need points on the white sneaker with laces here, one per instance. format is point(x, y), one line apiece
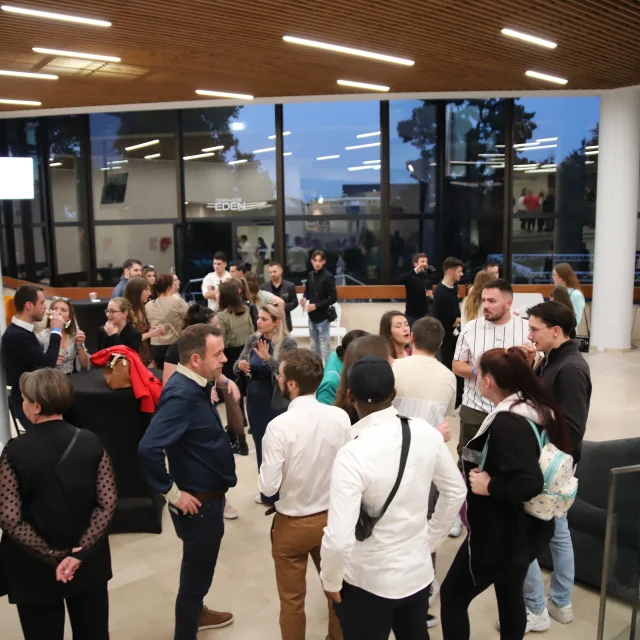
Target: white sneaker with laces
point(456, 530)
point(259, 499)
point(535, 622)
point(561, 614)
point(435, 590)
point(229, 512)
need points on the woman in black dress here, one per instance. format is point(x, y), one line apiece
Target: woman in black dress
point(57, 498)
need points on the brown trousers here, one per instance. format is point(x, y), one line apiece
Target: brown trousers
point(293, 541)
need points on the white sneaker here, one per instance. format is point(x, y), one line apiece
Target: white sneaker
point(432, 621)
point(535, 622)
point(229, 512)
point(259, 499)
point(435, 590)
point(561, 614)
point(456, 530)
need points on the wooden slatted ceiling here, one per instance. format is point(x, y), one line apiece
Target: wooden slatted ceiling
point(170, 48)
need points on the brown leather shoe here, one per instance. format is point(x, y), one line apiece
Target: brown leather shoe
point(213, 619)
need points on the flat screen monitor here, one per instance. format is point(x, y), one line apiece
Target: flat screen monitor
point(114, 189)
point(16, 179)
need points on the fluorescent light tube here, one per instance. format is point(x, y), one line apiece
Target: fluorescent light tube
point(368, 135)
point(410, 167)
point(328, 157)
point(224, 94)
point(547, 139)
point(238, 161)
point(26, 103)
point(546, 76)
point(538, 146)
point(288, 153)
point(142, 145)
point(362, 85)
point(152, 156)
point(363, 167)
point(198, 155)
point(55, 164)
point(349, 50)
point(592, 146)
point(284, 133)
point(363, 146)
point(25, 74)
point(373, 162)
point(591, 153)
point(491, 155)
point(527, 38)
point(265, 150)
point(218, 148)
point(75, 54)
point(55, 16)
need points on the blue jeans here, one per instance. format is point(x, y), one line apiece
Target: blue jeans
point(201, 536)
point(563, 572)
point(319, 332)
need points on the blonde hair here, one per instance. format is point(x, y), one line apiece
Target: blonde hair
point(125, 306)
point(49, 388)
point(281, 331)
point(472, 304)
point(71, 330)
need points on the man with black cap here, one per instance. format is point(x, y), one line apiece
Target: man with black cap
point(382, 583)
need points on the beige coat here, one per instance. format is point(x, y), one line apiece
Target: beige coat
point(168, 312)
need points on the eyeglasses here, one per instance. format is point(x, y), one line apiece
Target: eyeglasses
point(58, 299)
point(108, 312)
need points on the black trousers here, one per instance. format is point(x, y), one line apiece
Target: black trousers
point(159, 352)
point(459, 589)
point(201, 535)
point(365, 615)
point(88, 613)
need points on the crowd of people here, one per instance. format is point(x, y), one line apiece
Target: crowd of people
point(350, 446)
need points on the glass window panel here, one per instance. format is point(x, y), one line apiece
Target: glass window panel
point(353, 248)
point(72, 256)
point(149, 243)
point(258, 248)
point(412, 132)
point(134, 183)
point(474, 181)
point(239, 178)
point(318, 182)
point(554, 186)
point(408, 237)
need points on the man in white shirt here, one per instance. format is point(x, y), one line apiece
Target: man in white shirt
point(298, 451)
point(382, 583)
point(497, 329)
point(211, 282)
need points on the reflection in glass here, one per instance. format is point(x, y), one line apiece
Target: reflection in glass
point(229, 161)
point(413, 129)
point(332, 158)
point(133, 159)
point(554, 186)
point(353, 248)
point(474, 181)
point(150, 243)
point(408, 237)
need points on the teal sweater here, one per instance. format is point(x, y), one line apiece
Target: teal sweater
point(328, 388)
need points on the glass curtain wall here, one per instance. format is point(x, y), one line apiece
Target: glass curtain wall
point(332, 188)
point(134, 188)
point(554, 186)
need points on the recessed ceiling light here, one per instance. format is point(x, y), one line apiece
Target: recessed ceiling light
point(55, 164)
point(25, 74)
point(368, 135)
point(264, 150)
point(349, 50)
point(547, 139)
point(284, 133)
point(363, 167)
point(55, 16)
point(152, 156)
point(198, 155)
point(75, 54)
point(26, 103)
point(595, 152)
point(218, 148)
point(288, 153)
point(223, 94)
point(527, 38)
point(328, 157)
point(238, 161)
point(373, 162)
point(362, 85)
point(545, 76)
point(363, 146)
point(142, 145)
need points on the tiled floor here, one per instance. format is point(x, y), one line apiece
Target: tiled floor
point(146, 566)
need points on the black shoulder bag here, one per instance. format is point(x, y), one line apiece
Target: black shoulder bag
point(365, 524)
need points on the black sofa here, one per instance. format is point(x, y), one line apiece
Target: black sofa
point(588, 517)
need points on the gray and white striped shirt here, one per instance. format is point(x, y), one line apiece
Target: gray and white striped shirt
point(478, 337)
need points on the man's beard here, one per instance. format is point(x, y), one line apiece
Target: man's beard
point(286, 394)
point(488, 315)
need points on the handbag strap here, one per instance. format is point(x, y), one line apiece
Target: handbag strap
point(404, 454)
point(541, 438)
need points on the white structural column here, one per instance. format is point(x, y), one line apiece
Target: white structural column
point(616, 219)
